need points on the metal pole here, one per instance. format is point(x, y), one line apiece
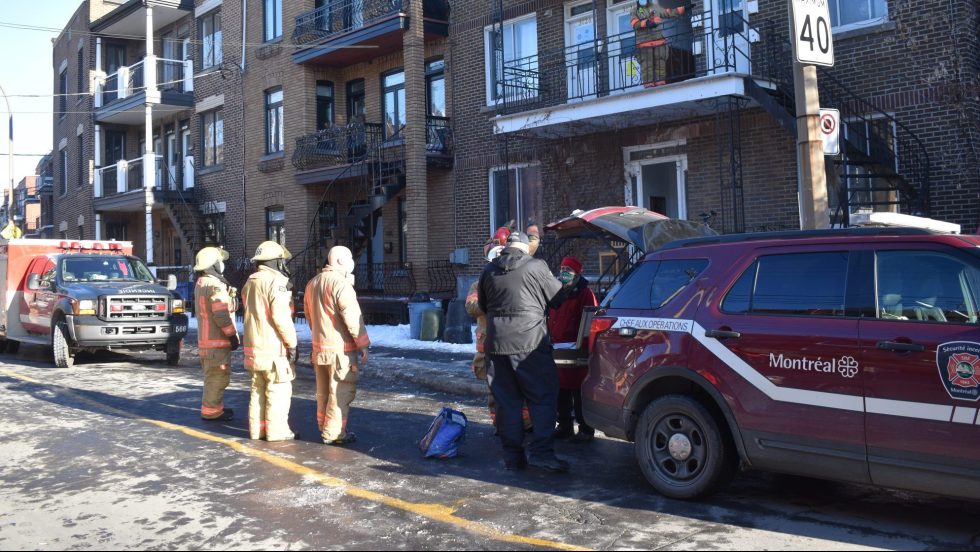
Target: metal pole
point(10, 152)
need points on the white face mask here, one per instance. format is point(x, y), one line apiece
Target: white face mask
point(220, 267)
point(348, 265)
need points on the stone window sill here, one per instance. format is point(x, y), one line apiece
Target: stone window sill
point(874, 28)
point(211, 169)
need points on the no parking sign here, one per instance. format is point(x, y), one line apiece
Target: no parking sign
point(830, 131)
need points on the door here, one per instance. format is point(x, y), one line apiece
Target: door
point(38, 304)
point(799, 396)
point(728, 37)
point(659, 186)
point(115, 150)
point(170, 55)
point(187, 165)
point(580, 51)
point(158, 163)
point(115, 57)
point(172, 158)
point(921, 353)
point(624, 68)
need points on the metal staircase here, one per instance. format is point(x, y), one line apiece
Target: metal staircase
point(883, 165)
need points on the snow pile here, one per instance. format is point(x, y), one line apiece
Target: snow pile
point(394, 337)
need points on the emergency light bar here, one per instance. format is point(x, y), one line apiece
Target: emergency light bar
point(66, 245)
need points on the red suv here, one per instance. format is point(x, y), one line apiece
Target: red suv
point(846, 354)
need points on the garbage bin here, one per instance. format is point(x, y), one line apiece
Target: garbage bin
point(186, 292)
point(415, 310)
point(459, 325)
point(431, 325)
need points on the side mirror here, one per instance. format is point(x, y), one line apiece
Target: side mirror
point(171, 282)
point(34, 282)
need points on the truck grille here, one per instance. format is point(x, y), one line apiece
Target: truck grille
point(134, 308)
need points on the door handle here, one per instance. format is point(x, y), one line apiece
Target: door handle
point(722, 334)
point(901, 347)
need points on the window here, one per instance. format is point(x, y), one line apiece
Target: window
point(512, 60)
point(355, 99)
point(273, 121)
point(515, 194)
point(214, 229)
point(81, 231)
point(80, 77)
point(653, 284)
point(327, 221)
point(926, 286)
point(275, 224)
point(805, 284)
point(213, 139)
point(64, 171)
point(435, 88)
point(273, 20)
point(324, 104)
point(857, 12)
point(209, 33)
point(394, 98)
point(118, 231)
point(63, 94)
point(82, 172)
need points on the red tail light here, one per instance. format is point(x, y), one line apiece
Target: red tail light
point(599, 325)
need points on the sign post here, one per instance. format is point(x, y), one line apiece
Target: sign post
point(812, 45)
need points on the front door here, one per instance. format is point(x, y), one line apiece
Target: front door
point(624, 68)
point(580, 51)
point(921, 355)
point(188, 164)
point(800, 396)
point(158, 163)
point(658, 185)
point(172, 159)
point(728, 38)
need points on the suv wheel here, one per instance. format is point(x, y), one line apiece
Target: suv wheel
point(63, 357)
point(173, 354)
point(681, 449)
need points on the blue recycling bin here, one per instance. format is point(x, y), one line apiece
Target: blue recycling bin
point(415, 310)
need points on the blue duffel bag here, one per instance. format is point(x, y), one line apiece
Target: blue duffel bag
point(444, 435)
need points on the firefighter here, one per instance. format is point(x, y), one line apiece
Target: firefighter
point(490, 251)
point(215, 304)
point(340, 343)
point(651, 45)
point(270, 344)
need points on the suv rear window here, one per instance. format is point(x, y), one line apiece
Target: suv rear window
point(803, 284)
point(652, 284)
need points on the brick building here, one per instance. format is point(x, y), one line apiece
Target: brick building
point(580, 112)
point(308, 123)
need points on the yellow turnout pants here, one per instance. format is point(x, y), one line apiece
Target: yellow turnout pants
point(336, 386)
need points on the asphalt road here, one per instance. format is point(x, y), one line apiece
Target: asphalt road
point(112, 454)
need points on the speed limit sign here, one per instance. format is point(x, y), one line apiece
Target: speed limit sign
point(813, 41)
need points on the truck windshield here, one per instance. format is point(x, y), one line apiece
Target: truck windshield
point(104, 269)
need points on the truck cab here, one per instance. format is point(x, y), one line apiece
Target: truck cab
point(87, 296)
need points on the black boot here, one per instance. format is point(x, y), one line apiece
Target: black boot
point(564, 430)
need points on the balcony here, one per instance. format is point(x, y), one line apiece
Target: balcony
point(45, 185)
point(344, 151)
point(612, 83)
point(129, 19)
point(120, 98)
point(345, 32)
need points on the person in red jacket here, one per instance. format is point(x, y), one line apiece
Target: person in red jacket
point(563, 323)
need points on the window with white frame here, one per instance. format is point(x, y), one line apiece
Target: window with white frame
point(857, 13)
point(209, 31)
point(273, 20)
point(274, 133)
point(511, 55)
point(516, 194)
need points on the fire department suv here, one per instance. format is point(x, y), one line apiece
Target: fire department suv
point(851, 355)
point(83, 296)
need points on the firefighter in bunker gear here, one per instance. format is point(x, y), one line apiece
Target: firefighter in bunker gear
point(270, 344)
point(215, 304)
point(340, 343)
point(652, 49)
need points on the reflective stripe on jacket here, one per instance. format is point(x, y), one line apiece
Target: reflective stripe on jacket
point(331, 308)
point(269, 329)
point(214, 309)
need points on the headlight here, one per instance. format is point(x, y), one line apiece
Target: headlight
point(177, 306)
point(84, 307)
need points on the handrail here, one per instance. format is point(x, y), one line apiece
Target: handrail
point(340, 16)
point(338, 145)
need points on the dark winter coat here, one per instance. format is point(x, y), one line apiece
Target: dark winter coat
point(515, 291)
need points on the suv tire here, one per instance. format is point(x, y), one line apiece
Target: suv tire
point(173, 354)
point(63, 357)
point(681, 449)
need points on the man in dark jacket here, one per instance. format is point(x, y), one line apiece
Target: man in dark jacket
point(515, 291)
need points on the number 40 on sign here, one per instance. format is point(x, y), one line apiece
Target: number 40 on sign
point(813, 41)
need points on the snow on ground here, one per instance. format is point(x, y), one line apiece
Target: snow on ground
point(395, 337)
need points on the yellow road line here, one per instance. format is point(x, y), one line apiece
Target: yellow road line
point(437, 512)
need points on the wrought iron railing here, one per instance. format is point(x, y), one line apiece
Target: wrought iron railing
point(438, 135)
point(338, 145)
point(384, 279)
point(340, 16)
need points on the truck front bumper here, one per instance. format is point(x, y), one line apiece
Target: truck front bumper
point(90, 331)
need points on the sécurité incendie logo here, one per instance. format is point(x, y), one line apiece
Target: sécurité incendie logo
point(959, 369)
